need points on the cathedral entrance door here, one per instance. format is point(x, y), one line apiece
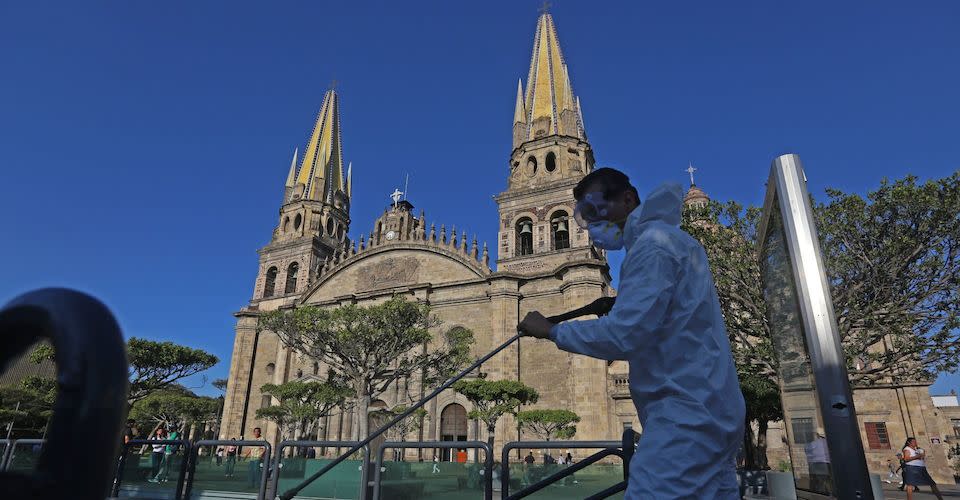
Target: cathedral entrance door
point(453, 427)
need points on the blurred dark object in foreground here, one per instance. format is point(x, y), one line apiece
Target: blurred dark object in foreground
point(91, 393)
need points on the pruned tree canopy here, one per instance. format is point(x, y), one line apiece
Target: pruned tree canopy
point(153, 365)
point(548, 424)
point(174, 406)
point(493, 398)
point(301, 404)
point(372, 347)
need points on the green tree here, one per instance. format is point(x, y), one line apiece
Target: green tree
point(399, 432)
point(220, 384)
point(893, 262)
point(153, 365)
point(373, 347)
point(549, 424)
point(301, 404)
point(174, 406)
point(493, 398)
point(728, 233)
point(26, 408)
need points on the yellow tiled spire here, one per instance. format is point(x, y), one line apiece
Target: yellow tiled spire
point(549, 93)
point(321, 170)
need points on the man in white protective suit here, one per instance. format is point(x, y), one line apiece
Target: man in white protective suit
point(666, 322)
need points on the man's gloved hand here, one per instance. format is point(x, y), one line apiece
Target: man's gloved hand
point(535, 325)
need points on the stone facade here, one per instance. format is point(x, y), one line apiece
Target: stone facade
point(545, 263)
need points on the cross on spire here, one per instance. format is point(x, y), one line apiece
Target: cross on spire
point(333, 84)
point(395, 196)
point(545, 7)
point(690, 170)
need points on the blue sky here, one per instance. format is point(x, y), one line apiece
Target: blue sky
point(144, 145)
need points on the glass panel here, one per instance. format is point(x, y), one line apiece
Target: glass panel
point(431, 480)
point(801, 407)
point(237, 472)
point(151, 471)
point(341, 482)
point(25, 456)
point(593, 479)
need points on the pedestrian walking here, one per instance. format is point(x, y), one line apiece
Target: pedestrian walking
point(156, 455)
point(231, 459)
point(915, 469)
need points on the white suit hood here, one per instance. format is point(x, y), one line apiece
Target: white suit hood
point(664, 204)
point(668, 325)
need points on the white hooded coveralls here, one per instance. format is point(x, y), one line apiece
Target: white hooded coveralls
point(667, 324)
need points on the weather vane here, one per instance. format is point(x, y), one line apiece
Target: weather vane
point(690, 170)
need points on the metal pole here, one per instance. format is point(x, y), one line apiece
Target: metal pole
point(12, 420)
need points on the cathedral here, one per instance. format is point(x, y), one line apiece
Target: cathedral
point(543, 262)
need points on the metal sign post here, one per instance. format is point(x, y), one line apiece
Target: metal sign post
point(821, 424)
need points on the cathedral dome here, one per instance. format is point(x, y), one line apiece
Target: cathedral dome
point(695, 197)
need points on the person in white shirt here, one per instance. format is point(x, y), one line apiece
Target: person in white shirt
point(915, 469)
point(156, 456)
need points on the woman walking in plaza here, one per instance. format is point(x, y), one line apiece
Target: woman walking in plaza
point(915, 469)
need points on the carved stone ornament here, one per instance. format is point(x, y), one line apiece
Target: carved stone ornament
point(392, 271)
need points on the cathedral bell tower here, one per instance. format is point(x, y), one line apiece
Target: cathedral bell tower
point(550, 155)
point(315, 215)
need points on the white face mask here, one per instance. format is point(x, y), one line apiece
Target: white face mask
point(606, 235)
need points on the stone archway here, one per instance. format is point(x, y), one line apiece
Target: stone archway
point(453, 427)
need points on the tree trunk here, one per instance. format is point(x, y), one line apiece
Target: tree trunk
point(749, 447)
point(363, 407)
point(761, 454)
point(491, 432)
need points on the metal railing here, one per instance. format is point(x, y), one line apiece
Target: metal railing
point(10, 452)
point(3, 455)
point(125, 453)
point(487, 462)
point(277, 463)
point(191, 464)
point(623, 449)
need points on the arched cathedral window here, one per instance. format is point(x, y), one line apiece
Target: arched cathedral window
point(292, 278)
point(524, 236)
point(560, 229)
point(270, 282)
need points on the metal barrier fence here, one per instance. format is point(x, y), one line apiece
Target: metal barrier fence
point(10, 454)
point(3, 454)
point(125, 454)
point(487, 470)
point(223, 488)
point(278, 464)
point(607, 448)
